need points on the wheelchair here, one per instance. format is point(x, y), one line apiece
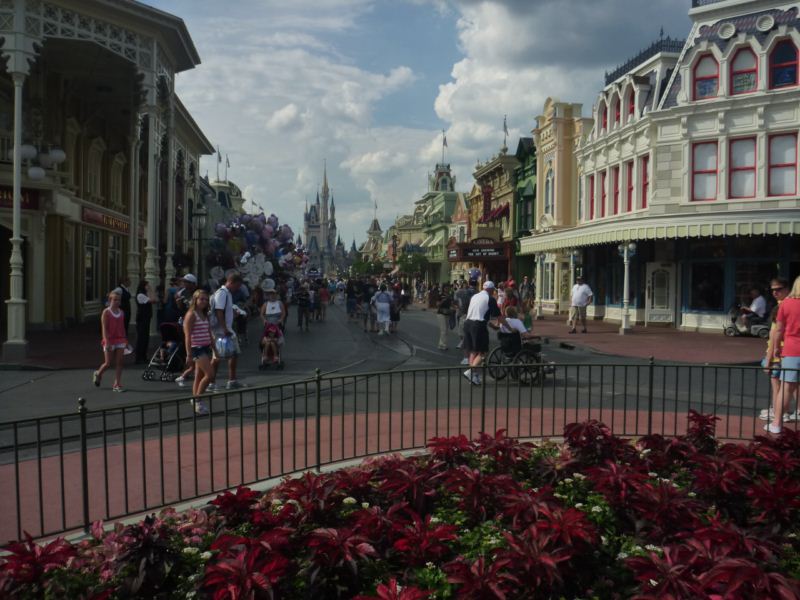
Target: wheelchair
point(518, 359)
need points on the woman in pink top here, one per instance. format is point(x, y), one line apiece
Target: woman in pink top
point(198, 339)
point(114, 341)
point(785, 343)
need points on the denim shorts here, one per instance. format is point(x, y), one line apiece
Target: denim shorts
point(775, 371)
point(200, 351)
point(790, 362)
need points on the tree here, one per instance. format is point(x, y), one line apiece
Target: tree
point(362, 267)
point(411, 263)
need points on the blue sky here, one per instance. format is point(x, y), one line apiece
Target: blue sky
point(370, 84)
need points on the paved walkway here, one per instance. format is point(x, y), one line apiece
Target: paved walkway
point(662, 343)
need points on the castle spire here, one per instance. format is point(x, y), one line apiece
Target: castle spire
point(325, 189)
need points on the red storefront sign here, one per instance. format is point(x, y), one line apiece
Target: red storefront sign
point(105, 220)
point(29, 200)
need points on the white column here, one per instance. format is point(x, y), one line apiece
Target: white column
point(539, 276)
point(625, 323)
point(133, 211)
point(169, 266)
point(15, 347)
point(151, 243)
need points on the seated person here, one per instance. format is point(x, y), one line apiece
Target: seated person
point(513, 323)
point(757, 309)
point(166, 350)
point(270, 341)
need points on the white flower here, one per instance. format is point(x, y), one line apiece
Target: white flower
point(579, 476)
point(653, 582)
point(277, 502)
point(645, 452)
point(349, 500)
point(653, 475)
point(568, 480)
point(652, 548)
point(622, 555)
point(365, 505)
point(603, 540)
point(559, 496)
point(430, 565)
point(191, 550)
point(597, 509)
point(579, 505)
point(692, 495)
point(435, 520)
point(206, 555)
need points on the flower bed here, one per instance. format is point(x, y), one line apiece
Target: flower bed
point(597, 517)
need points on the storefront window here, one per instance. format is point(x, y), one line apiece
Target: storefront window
point(617, 281)
point(753, 274)
point(91, 266)
point(708, 248)
point(548, 283)
point(707, 286)
point(114, 260)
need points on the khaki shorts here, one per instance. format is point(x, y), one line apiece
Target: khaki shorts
point(577, 313)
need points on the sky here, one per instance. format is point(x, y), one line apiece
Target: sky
point(367, 86)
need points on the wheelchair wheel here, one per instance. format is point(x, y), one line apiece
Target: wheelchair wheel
point(527, 369)
point(497, 363)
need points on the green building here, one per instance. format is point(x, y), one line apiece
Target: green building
point(524, 206)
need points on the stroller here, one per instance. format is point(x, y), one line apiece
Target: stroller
point(169, 358)
point(271, 346)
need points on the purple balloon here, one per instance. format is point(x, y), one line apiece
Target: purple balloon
point(265, 235)
point(268, 230)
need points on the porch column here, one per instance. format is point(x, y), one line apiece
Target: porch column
point(169, 265)
point(539, 275)
point(133, 211)
point(16, 346)
point(151, 241)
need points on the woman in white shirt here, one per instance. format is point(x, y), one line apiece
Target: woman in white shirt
point(513, 323)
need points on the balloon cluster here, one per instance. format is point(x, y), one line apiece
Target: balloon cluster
point(257, 245)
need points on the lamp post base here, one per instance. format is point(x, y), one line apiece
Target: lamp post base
point(15, 351)
point(625, 330)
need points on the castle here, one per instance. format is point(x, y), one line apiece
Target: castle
point(325, 248)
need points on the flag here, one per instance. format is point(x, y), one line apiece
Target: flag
point(227, 161)
point(219, 156)
point(505, 124)
point(444, 139)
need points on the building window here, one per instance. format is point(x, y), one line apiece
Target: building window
point(95, 169)
point(603, 117)
point(783, 65)
point(580, 198)
point(91, 266)
point(114, 260)
point(631, 104)
point(707, 286)
point(742, 182)
point(591, 197)
point(548, 283)
point(629, 178)
point(744, 72)
point(783, 165)
point(615, 181)
point(548, 192)
point(617, 110)
point(645, 166)
point(706, 78)
point(704, 171)
point(603, 193)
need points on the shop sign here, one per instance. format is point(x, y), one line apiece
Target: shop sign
point(103, 219)
point(488, 252)
point(452, 254)
point(29, 200)
point(483, 241)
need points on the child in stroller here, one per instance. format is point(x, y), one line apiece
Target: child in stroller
point(271, 343)
point(169, 357)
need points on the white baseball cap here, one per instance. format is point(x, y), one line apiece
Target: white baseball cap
point(190, 278)
point(488, 285)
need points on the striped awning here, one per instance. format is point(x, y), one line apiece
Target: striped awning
point(664, 228)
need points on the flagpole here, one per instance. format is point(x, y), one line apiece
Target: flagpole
point(227, 164)
point(219, 160)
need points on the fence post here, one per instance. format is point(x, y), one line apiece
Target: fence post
point(84, 465)
point(318, 379)
point(651, 370)
point(484, 372)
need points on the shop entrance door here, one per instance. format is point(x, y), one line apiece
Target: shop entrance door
point(661, 295)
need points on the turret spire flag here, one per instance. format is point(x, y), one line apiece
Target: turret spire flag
point(219, 160)
point(505, 129)
point(444, 144)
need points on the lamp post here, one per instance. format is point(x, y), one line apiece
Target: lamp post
point(626, 251)
point(394, 249)
point(574, 259)
point(199, 218)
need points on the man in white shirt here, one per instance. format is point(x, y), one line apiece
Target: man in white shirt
point(757, 308)
point(222, 324)
point(482, 308)
point(581, 298)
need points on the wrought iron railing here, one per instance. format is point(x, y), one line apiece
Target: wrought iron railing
point(666, 44)
point(63, 472)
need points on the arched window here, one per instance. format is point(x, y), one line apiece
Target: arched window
point(706, 78)
point(603, 117)
point(783, 65)
point(744, 72)
point(631, 104)
point(548, 192)
point(617, 110)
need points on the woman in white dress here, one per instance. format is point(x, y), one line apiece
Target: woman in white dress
point(383, 305)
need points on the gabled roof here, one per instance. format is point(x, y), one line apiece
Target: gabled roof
point(374, 227)
point(524, 148)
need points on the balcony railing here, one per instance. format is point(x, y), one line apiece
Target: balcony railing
point(699, 3)
point(666, 44)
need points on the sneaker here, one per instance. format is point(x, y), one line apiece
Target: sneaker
point(200, 407)
point(181, 381)
point(476, 379)
point(234, 385)
point(791, 417)
point(464, 361)
point(770, 429)
point(117, 388)
point(460, 345)
point(766, 414)
point(211, 387)
point(96, 379)
point(468, 374)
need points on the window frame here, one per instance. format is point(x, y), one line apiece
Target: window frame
point(772, 66)
point(617, 112)
point(644, 188)
point(732, 169)
point(695, 78)
point(629, 174)
point(631, 104)
point(603, 117)
point(694, 172)
point(615, 183)
point(591, 197)
point(603, 192)
point(732, 72)
point(770, 166)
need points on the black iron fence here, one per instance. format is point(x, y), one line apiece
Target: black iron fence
point(63, 472)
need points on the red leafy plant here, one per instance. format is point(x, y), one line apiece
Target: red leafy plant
point(394, 591)
point(26, 563)
point(236, 507)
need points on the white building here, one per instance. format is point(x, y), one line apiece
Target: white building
point(693, 158)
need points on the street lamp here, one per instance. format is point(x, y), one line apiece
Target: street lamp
point(574, 258)
point(199, 218)
point(394, 249)
point(627, 252)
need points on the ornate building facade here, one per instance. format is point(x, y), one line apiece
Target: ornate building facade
point(326, 251)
